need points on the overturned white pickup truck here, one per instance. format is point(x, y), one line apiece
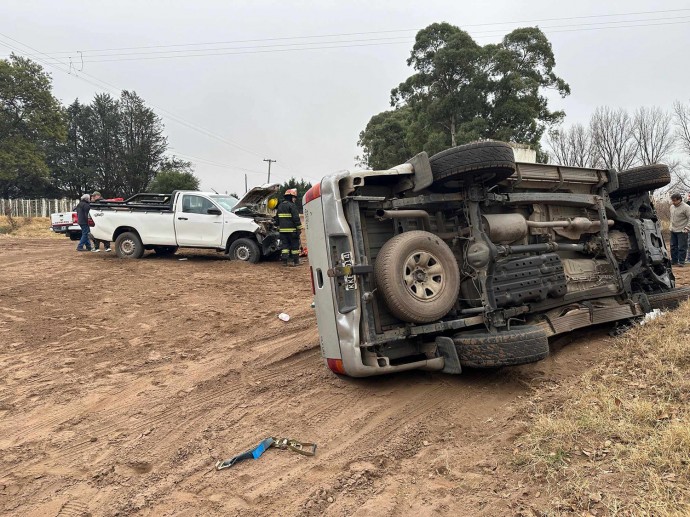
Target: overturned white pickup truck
point(469, 258)
point(243, 229)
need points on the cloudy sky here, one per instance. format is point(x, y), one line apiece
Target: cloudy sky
point(295, 81)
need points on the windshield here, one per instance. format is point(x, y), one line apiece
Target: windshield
point(226, 202)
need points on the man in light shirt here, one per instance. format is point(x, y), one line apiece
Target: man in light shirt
point(680, 225)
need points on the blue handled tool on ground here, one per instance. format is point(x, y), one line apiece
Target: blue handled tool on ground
point(305, 448)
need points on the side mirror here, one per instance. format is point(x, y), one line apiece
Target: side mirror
point(214, 211)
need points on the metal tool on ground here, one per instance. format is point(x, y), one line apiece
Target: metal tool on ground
point(304, 448)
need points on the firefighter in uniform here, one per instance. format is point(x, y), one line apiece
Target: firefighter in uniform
point(290, 226)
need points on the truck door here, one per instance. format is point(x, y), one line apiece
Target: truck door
point(195, 226)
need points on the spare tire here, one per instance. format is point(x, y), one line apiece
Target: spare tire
point(417, 275)
point(642, 179)
point(464, 165)
point(519, 345)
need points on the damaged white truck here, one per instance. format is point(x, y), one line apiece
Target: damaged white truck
point(243, 229)
point(471, 259)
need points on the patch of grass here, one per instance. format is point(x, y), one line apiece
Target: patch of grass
point(25, 227)
point(618, 440)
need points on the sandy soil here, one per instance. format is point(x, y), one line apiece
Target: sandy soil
point(123, 382)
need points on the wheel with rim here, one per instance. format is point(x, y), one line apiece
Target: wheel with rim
point(245, 250)
point(519, 345)
point(642, 179)
point(418, 277)
point(669, 300)
point(464, 165)
point(128, 245)
point(165, 250)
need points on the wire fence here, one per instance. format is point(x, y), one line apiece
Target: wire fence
point(35, 207)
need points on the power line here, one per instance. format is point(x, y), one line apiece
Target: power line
point(214, 163)
point(376, 32)
point(112, 88)
point(337, 44)
point(546, 30)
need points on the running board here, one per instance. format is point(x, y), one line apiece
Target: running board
point(584, 317)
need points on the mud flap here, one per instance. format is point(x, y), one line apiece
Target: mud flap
point(423, 176)
point(446, 349)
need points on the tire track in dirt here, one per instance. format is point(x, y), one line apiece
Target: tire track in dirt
point(194, 367)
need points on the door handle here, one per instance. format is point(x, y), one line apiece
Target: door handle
point(183, 218)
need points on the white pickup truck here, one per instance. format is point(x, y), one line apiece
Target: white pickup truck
point(244, 229)
point(66, 224)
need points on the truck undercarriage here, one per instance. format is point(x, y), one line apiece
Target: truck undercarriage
point(478, 267)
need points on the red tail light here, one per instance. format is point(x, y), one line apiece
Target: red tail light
point(311, 277)
point(91, 223)
point(336, 366)
point(313, 193)
point(75, 219)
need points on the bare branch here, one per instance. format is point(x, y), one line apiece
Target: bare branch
point(653, 135)
point(612, 139)
point(572, 147)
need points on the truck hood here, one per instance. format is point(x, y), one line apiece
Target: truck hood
point(256, 200)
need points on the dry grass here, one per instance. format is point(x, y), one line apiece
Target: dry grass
point(25, 227)
point(618, 441)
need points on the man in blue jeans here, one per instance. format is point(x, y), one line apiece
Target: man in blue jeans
point(680, 225)
point(82, 210)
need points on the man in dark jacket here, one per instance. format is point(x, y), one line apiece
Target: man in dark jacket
point(289, 226)
point(82, 210)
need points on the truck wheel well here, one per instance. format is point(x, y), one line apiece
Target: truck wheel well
point(238, 235)
point(123, 229)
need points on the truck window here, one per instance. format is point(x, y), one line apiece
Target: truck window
point(196, 204)
point(227, 202)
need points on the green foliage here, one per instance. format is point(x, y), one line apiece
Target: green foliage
point(113, 145)
point(521, 67)
point(462, 92)
point(72, 169)
point(174, 174)
point(383, 140)
point(301, 186)
point(31, 120)
point(142, 143)
point(448, 90)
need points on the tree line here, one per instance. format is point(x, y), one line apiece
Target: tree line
point(618, 139)
point(114, 145)
point(463, 92)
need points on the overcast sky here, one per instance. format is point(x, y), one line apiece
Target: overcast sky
point(241, 87)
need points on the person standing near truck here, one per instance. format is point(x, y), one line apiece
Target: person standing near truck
point(82, 210)
point(680, 225)
point(289, 226)
point(97, 242)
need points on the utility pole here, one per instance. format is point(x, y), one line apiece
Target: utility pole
point(269, 168)
point(245, 183)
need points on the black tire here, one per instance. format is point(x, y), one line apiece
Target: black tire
point(418, 277)
point(519, 345)
point(128, 245)
point(642, 179)
point(669, 300)
point(74, 236)
point(481, 162)
point(165, 250)
point(245, 250)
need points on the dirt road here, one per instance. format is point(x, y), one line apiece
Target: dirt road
point(122, 382)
